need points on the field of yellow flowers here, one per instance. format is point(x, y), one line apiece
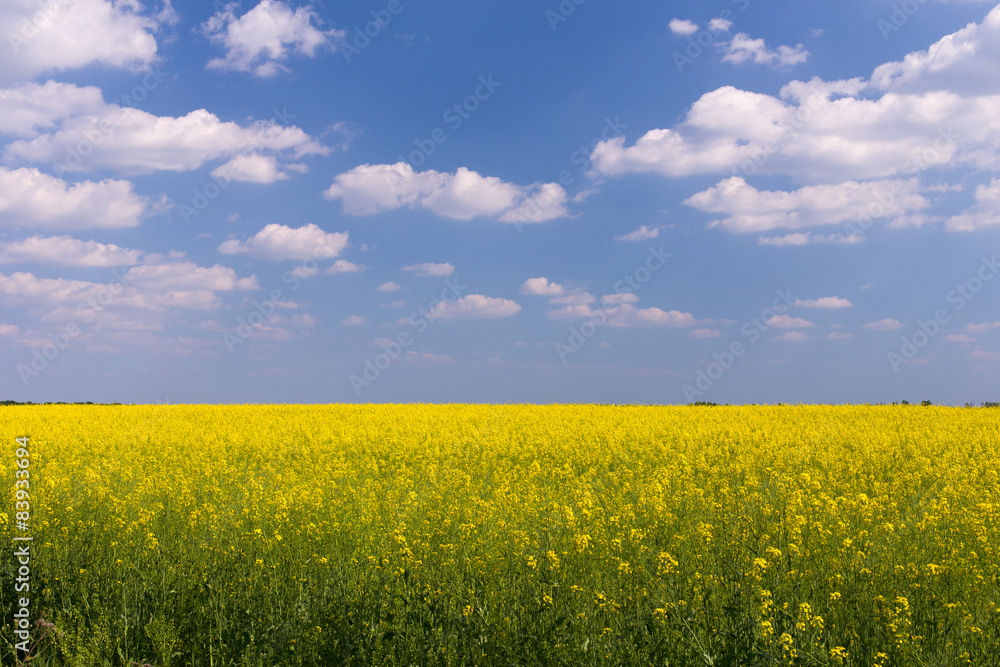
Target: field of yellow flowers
point(507, 535)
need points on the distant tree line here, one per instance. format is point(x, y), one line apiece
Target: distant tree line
point(55, 403)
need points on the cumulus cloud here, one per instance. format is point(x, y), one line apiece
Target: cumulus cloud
point(936, 107)
point(251, 168)
point(620, 298)
point(983, 327)
point(744, 49)
point(343, 266)
point(260, 41)
point(30, 199)
point(30, 108)
point(789, 322)
point(27, 290)
point(278, 242)
point(887, 324)
point(475, 306)
point(753, 210)
point(369, 189)
point(389, 287)
point(541, 287)
point(66, 126)
point(807, 238)
point(984, 213)
point(644, 233)
point(824, 302)
point(791, 337)
point(627, 315)
point(430, 270)
point(354, 321)
point(188, 276)
point(682, 27)
point(46, 36)
point(66, 251)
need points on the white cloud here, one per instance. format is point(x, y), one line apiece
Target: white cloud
point(959, 338)
point(630, 316)
point(354, 321)
point(789, 322)
point(30, 199)
point(720, 25)
point(644, 233)
point(261, 40)
point(627, 315)
point(475, 306)
point(343, 266)
point(824, 302)
point(52, 35)
point(985, 212)
point(26, 289)
point(30, 108)
point(66, 251)
point(791, 337)
point(620, 298)
point(540, 203)
point(752, 210)
point(983, 355)
point(9, 330)
point(887, 324)
point(966, 61)
point(682, 27)
point(743, 49)
point(251, 168)
point(369, 189)
point(187, 276)
point(936, 107)
point(430, 270)
point(277, 242)
point(69, 129)
point(982, 328)
point(839, 335)
point(541, 287)
point(704, 333)
point(806, 238)
point(389, 287)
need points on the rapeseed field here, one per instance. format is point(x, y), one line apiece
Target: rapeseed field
point(507, 535)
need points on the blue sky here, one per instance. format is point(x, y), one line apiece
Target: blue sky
point(523, 202)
